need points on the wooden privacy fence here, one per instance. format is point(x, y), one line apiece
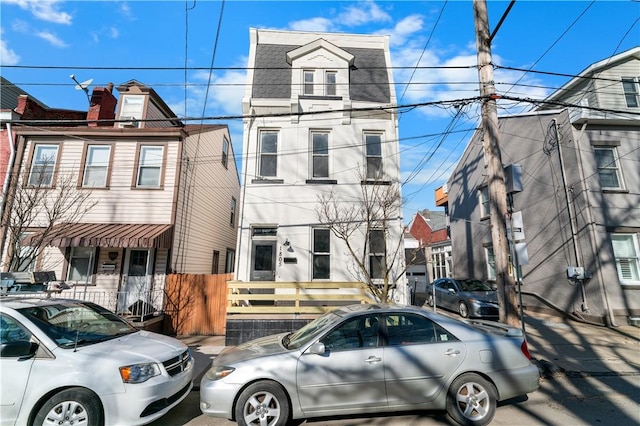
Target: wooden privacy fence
point(274, 297)
point(196, 304)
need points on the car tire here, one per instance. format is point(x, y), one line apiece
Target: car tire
point(73, 406)
point(471, 400)
point(262, 403)
point(463, 309)
point(430, 300)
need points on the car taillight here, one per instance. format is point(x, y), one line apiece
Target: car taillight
point(525, 349)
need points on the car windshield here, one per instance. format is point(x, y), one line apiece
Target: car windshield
point(474, 285)
point(72, 324)
point(309, 331)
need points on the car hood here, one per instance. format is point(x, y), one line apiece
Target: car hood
point(263, 346)
point(138, 346)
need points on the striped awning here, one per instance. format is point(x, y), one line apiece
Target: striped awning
point(106, 235)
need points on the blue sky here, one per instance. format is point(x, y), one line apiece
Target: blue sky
point(43, 42)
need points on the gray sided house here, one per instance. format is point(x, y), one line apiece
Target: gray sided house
point(578, 245)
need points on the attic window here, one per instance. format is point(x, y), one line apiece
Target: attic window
point(630, 87)
point(132, 106)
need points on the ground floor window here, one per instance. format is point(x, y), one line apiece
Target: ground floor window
point(81, 261)
point(491, 263)
point(230, 261)
point(627, 254)
point(321, 253)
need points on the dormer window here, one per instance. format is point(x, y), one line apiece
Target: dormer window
point(631, 93)
point(312, 89)
point(330, 79)
point(308, 82)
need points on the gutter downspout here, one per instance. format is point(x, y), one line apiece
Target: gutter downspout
point(5, 187)
point(592, 232)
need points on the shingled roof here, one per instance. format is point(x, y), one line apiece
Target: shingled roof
point(369, 78)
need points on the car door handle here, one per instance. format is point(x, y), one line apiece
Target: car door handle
point(452, 352)
point(373, 360)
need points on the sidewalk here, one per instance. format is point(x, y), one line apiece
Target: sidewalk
point(558, 346)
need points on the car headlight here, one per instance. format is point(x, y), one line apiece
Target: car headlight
point(218, 372)
point(139, 373)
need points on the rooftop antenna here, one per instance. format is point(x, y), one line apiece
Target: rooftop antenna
point(83, 86)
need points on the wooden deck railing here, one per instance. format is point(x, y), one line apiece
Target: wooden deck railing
point(271, 297)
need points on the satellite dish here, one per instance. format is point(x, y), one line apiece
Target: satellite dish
point(84, 84)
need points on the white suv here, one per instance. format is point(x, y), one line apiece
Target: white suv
point(68, 362)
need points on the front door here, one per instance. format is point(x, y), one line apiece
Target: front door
point(263, 261)
point(136, 281)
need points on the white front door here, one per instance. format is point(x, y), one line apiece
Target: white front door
point(136, 287)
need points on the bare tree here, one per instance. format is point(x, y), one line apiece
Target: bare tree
point(375, 249)
point(41, 208)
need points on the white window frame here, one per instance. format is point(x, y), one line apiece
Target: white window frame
point(627, 258)
point(485, 207)
point(611, 167)
point(132, 107)
point(225, 152)
point(230, 261)
point(331, 84)
point(43, 167)
point(147, 165)
point(321, 154)
point(84, 254)
point(373, 154)
point(232, 220)
point(96, 173)
point(631, 91)
point(308, 86)
point(318, 253)
point(270, 154)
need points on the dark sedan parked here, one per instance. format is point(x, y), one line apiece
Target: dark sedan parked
point(468, 297)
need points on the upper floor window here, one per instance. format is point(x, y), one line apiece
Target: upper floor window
point(373, 152)
point(43, 165)
point(149, 168)
point(308, 82)
point(627, 255)
point(132, 106)
point(96, 166)
point(631, 92)
point(321, 253)
point(330, 81)
point(232, 221)
point(320, 154)
point(268, 153)
point(225, 152)
point(485, 209)
point(377, 261)
point(608, 168)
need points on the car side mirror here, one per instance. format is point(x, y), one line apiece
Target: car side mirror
point(452, 290)
point(317, 348)
point(23, 349)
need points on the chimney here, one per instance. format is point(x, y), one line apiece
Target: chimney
point(103, 106)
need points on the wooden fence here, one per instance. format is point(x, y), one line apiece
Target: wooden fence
point(196, 304)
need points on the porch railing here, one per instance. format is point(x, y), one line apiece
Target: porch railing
point(274, 297)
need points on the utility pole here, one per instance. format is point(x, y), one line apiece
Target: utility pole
point(495, 172)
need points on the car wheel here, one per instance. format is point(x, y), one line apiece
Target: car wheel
point(463, 309)
point(471, 400)
point(262, 403)
point(73, 406)
point(430, 300)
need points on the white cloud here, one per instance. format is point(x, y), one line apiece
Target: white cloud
point(9, 57)
point(125, 10)
point(363, 13)
point(45, 10)
point(51, 38)
point(404, 29)
point(313, 24)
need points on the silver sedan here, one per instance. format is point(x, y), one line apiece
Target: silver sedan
point(364, 359)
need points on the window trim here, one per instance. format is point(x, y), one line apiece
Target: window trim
point(377, 254)
point(90, 265)
point(32, 158)
point(261, 153)
point(85, 164)
point(635, 245)
point(367, 156)
point(136, 170)
point(328, 86)
point(225, 152)
point(484, 201)
point(489, 255)
point(314, 155)
point(234, 205)
point(230, 261)
point(633, 83)
point(320, 254)
point(613, 166)
point(308, 87)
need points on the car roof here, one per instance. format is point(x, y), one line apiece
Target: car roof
point(15, 302)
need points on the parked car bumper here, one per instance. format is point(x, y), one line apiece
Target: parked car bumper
point(516, 382)
point(484, 310)
point(217, 397)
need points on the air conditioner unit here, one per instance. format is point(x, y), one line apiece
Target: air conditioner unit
point(131, 123)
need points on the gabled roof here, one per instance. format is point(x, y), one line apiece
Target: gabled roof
point(9, 93)
point(595, 68)
point(316, 45)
